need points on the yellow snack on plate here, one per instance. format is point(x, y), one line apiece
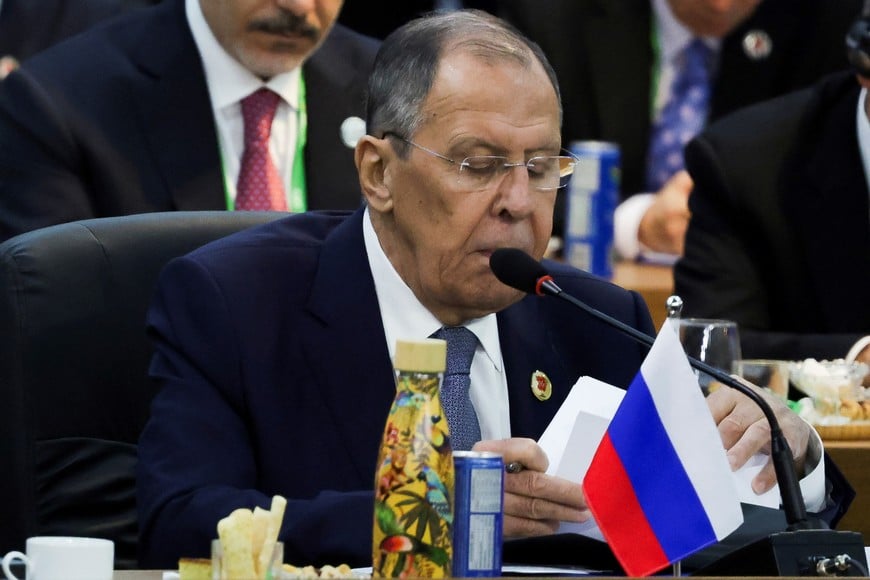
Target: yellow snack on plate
point(258, 536)
point(291, 572)
point(194, 569)
point(273, 528)
point(342, 571)
point(235, 532)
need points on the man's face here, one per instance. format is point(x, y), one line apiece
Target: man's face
point(715, 18)
point(438, 234)
point(270, 37)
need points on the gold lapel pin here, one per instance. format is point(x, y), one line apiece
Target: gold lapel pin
point(542, 388)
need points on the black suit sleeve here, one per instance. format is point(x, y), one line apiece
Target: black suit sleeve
point(741, 259)
point(40, 184)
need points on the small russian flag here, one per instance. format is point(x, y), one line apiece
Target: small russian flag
point(660, 486)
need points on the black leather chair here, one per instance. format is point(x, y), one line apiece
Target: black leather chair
point(74, 390)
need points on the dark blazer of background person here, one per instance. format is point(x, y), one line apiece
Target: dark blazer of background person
point(278, 380)
point(602, 52)
point(779, 238)
point(288, 383)
point(119, 121)
point(28, 26)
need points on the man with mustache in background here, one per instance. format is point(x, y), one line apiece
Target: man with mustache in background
point(161, 110)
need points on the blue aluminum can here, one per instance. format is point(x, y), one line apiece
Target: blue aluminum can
point(592, 197)
point(478, 517)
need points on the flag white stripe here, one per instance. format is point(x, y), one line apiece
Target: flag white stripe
point(687, 419)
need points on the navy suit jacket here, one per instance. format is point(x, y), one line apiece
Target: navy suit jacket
point(276, 379)
point(779, 239)
point(29, 26)
point(118, 121)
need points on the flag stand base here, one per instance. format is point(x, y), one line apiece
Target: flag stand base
point(795, 553)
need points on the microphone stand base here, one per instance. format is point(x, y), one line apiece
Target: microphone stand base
point(794, 553)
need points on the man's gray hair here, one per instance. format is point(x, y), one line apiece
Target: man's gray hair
point(408, 60)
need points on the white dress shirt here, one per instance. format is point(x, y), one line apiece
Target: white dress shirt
point(228, 83)
point(673, 38)
point(863, 124)
point(404, 317)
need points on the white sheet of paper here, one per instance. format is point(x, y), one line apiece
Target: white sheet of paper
point(579, 425)
point(744, 477)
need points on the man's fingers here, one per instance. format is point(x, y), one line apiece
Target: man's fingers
point(539, 486)
point(525, 452)
point(534, 502)
point(519, 527)
point(755, 437)
point(765, 479)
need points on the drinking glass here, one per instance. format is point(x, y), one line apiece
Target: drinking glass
point(222, 570)
point(712, 341)
point(772, 375)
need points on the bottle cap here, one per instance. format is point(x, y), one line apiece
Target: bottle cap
point(427, 356)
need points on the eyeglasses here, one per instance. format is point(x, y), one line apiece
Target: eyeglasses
point(546, 172)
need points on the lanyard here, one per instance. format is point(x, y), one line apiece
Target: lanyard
point(656, 73)
point(298, 200)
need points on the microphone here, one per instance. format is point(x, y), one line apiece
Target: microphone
point(516, 269)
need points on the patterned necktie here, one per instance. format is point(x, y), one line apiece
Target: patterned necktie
point(461, 418)
point(682, 117)
point(259, 186)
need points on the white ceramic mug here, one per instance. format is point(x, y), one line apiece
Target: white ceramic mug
point(64, 558)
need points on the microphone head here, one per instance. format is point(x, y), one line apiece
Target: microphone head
point(517, 269)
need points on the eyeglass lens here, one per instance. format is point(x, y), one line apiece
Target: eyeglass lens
point(546, 172)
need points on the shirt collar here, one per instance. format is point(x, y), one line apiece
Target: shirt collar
point(403, 315)
point(228, 80)
point(864, 135)
point(673, 35)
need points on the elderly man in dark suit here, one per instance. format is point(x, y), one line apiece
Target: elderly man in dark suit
point(147, 114)
point(273, 347)
point(779, 239)
point(615, 60)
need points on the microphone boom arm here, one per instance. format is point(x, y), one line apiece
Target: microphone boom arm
point(783, 462)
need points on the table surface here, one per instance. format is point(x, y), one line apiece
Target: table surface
point(853, 459)
point(158, 575)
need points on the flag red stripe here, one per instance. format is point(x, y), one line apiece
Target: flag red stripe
point(609, 491)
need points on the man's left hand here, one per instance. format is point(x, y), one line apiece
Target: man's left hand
point(745, 431)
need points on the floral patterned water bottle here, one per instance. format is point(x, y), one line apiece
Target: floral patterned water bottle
point(413, 520)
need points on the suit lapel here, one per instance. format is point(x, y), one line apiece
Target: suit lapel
point(15, 27)
point(348, 323)
point(329, 166)
point(347, 320)
point(176, 114)
point(741, 80)
point(527, 347)
point(830, 206)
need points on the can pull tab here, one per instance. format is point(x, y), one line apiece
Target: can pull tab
point(674, 306)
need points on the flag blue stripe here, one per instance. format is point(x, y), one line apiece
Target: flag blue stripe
point(664, 490)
